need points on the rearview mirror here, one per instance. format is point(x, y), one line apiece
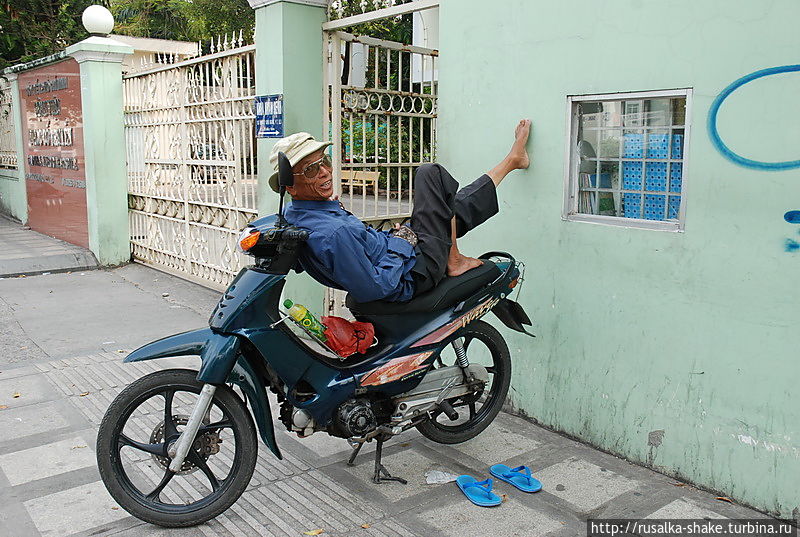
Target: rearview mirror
point(285, 176)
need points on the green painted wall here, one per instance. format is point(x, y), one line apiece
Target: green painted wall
point(694, 334)
point(289, 61)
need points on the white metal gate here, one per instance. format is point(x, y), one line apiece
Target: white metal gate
point(8, 140)
point(192, 161)
point(381, 98)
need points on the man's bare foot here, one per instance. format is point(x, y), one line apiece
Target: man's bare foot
point(458, 265)
point(518, 156)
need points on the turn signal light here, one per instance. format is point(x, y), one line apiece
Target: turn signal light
point(250, 240)
point(513, 283)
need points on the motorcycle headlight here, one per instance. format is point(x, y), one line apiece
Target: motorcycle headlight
point(248, 238)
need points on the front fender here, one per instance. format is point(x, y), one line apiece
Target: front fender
point(221, 362)
point(184, 344)
point(217, 352)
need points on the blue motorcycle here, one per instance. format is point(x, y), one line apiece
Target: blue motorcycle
point(178, 447)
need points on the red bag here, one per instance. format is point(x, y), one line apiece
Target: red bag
point(348, 337)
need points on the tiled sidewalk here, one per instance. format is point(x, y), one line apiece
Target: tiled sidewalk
point(24, 251)
point(50, 485)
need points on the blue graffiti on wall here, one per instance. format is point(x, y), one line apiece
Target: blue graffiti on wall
point(793, 217)
point(712, 122)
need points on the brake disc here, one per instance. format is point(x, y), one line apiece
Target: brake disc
point(206, 444)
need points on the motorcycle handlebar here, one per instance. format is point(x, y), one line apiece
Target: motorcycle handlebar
point(298, 235)
point(287, 234)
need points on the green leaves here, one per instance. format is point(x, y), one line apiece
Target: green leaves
point(31, 29)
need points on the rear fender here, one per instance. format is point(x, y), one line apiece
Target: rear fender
point(512, 315)
point(221, 362)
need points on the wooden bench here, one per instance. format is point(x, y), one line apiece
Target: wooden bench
point(359, 179)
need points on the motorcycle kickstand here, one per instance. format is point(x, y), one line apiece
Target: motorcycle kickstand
point(356, 449)
point(381, 473)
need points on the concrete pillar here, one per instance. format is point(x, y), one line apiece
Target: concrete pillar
point(13, 194)
point(288, 61)
point(100, 61)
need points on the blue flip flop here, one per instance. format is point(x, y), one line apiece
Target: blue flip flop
point(520, 477)
point(478, 492)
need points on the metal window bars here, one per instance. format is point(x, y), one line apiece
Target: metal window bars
point(628, 158)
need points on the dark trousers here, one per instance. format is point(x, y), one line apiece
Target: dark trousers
point(436, 200)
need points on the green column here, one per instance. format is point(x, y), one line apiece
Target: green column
point(100, 62)
point(288, 61)
point(12, 185)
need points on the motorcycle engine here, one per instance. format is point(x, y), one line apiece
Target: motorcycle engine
point(355, 418)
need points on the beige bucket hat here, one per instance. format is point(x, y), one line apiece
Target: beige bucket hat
point(296, 147)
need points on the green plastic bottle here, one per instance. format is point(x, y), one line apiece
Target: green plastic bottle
point(306, 320)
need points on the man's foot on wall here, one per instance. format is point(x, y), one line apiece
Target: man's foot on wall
point(518, 156)
point(458, 265)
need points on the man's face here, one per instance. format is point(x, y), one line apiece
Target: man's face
point(318, 188)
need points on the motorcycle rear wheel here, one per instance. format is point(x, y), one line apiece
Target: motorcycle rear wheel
point(498, 364)
point(136, 432)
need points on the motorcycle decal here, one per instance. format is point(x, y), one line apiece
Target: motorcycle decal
point(395, 369)
point(475, 313)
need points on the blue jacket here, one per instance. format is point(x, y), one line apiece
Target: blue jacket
point(344, 253)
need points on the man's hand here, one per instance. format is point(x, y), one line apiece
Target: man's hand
point(405, 233)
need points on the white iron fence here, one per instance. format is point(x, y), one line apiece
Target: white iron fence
point(382, 109)
point(8, 140)
point(192, 161)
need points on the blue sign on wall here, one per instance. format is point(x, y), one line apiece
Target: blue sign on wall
point(269, 116)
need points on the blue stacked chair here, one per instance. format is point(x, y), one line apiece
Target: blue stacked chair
point(658, 176)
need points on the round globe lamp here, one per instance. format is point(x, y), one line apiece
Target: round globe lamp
point(98, 20)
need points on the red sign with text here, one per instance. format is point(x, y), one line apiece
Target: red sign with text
point(52, 132)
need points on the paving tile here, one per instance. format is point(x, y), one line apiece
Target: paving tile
point(47, 460)
point(74, 510)
point(30, 389)
point(497, 444)
point(32, 419)
point(583, 484)
point(323, 445)
point(684, 508)
point(511, 518)
point(408, 464)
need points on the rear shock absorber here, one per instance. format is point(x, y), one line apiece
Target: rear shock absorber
point(461, 354)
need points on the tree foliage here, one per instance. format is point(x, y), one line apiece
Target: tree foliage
point(398, 29)
point(183, 20)
point(30, 29)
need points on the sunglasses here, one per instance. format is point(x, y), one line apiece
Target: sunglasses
point(311, 170)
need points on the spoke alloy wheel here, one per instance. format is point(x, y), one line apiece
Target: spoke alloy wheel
point(484, 346)
point(142, 426)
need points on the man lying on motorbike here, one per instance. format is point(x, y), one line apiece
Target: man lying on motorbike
point(396, 265)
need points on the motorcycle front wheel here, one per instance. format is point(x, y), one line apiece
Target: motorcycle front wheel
point(140, 426)
point(484, 346)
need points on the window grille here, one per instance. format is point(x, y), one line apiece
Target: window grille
point(627, 159)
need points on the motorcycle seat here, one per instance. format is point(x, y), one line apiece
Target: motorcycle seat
point(448, 293)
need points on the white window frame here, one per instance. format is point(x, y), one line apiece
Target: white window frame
point(570, 209)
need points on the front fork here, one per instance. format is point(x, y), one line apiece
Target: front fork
point(180, 448)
